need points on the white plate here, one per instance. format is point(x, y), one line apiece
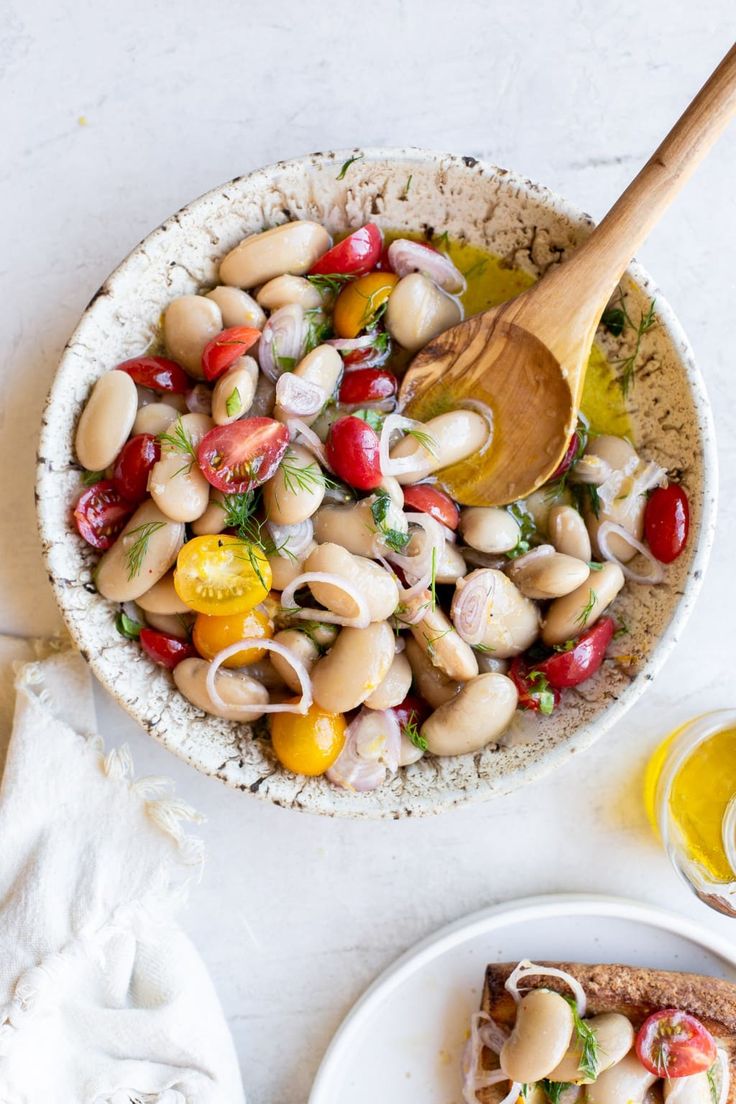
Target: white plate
point(402, 1042)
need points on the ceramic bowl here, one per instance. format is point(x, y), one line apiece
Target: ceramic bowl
point(532, 229)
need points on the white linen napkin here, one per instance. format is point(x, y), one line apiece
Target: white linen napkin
point(103, 999)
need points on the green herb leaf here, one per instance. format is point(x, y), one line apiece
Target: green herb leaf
point(394, 538)
point(127, 627)
point(527, 530)
point(285, 363)
point(433, 579)
point(89, 478)
point(715, 1094)
point(582, 618)
point(178, 440)
point(430, 641)
point(233, 402)
point(588, 1064)
point(318, 329)
point(426, 440)
point(374, 418)
point(614, 320)
point(554, 489)
point(298, 478)
point(346, 165)
point(331, 283)
point(407, 186)
point(411, 731)
point(135, 553)
point(627, 364)
point(541, 692)
point(442, 241)
point(595, 566)
point(622, 630)
point(554, 1090)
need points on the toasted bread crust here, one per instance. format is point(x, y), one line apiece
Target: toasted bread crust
point(634, 991)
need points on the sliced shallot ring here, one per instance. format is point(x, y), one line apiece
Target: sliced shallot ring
point(362, 765)
point(469, 606)
point(608, 529)
point(407, 256)
point(310, 440)
point(298, 397)
point(401, 465)
point(530, 969)
point(305, 682)
point(351, 344)
point(421, 572)
point(725, 1082)
point(361, 620)
point(292, 540)
point(287, 330)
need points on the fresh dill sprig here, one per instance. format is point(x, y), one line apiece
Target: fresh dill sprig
point(554, 1090)
point(712, 1085)
point(297, 478)
point(426, 440)
point(239, 510)
point(394, 538)
point(622, 630)
point(582, 617)
point(588, 1064)
point(89, 478)
point(318, 329)
point(346, 165)
point(587, 494)
point(330, 283)
point(430, 641)
point(486, 649)
point(442, 241)
point(407, 186)
point(627, 364)
point(527, 530)
point(374, 418)
point(134, 555)
point(178, 440)
point(411, 731)
point(476, 269)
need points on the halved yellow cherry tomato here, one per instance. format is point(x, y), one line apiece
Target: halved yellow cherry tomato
point(212, 634)
point(358, 302)
point(222, 574)
point(309, 743)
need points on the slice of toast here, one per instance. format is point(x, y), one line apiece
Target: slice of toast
point(634, 991)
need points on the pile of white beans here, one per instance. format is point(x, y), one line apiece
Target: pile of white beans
point(374, 625)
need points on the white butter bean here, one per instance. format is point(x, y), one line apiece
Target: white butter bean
point(453, 437)
point(473, 718)
point(444, 648)
point(237, 307)
point(394, 687)
point(418, 311)
point(241, 694)
point(154, 418)
point(614, 1034)
point(451, 566)
point(142, 554)
point(357, 663)
point(694, 1089)
point(544, 573)
point(351, 526)
point(296, 491)
point(302, 647)
point(189, 323)
point(512, 620)
point(162, 597)
point(568, 533)
point(106, 420)
point(322, 368)
point(541, 1033)
point(174, 624)
point(489, 529)
point(432, 683)
point(628, 1080)
point(283, 290)
point(568, 617)
point(284, 569)
point(377, 587)
point(234, 392)
point(214, 519)
point(176, 483)
point(291, 248)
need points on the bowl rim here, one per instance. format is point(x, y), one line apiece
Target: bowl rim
point(587, 734)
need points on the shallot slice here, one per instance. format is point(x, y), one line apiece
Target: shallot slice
point(608, 529)
point(401, 465)
point(407, 256)
point(475, 1077)
point(361, 620)
point(309, 440)
point(305, 682)
point(372, 748)
point(297, 397)
point(418, 569)
point(469, 610)
point(282, 341)
point(351, 344)
point(292, 540)
point(531, 969)
point(723, 1079)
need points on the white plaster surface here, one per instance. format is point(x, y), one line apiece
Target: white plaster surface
point(295, 915)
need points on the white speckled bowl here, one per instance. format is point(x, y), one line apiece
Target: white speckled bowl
point(491, 208)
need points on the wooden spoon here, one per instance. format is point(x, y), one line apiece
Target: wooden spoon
point(527, 358)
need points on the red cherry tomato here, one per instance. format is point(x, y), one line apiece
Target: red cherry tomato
point(133, 466)
point(158, 373)
point(583, 660)
point(240, 456)
point(372, 356)
point(666, 522)
point(413, 710)
point(353, 256)
point(367, 385)
point(672, 1043)
point(164, 649)
point(383, 264)
point(222, 351)
point(535, 692)
point(430, 500)
point(101, 513)
point(353, 451)
point(570, 453)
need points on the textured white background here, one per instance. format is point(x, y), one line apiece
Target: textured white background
point(296, 915)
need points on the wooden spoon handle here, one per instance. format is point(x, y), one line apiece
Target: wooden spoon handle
point(586, 282)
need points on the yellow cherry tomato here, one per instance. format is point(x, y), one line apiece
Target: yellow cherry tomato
point(359, 300)
point(222, 574)
point(309, 743)
point(212, 634)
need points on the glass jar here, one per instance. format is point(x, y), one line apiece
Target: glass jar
point(690, 793)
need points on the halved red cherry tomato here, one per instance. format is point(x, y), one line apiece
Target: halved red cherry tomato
point(240, 456)
point(101, 513)
point(383, 264)
point(570, 453)
point(582, 660)
point(535, 692)
point(367, 385)
point(430, 500)
point(157, 373)
point(222, 351)
point(672, 1044)
point(352, 256)
point(133, 466)
point(666, 522)
point(353, 451)
point(372, 356)
point(412, 711)
point(164, 649)
point(358, 302)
